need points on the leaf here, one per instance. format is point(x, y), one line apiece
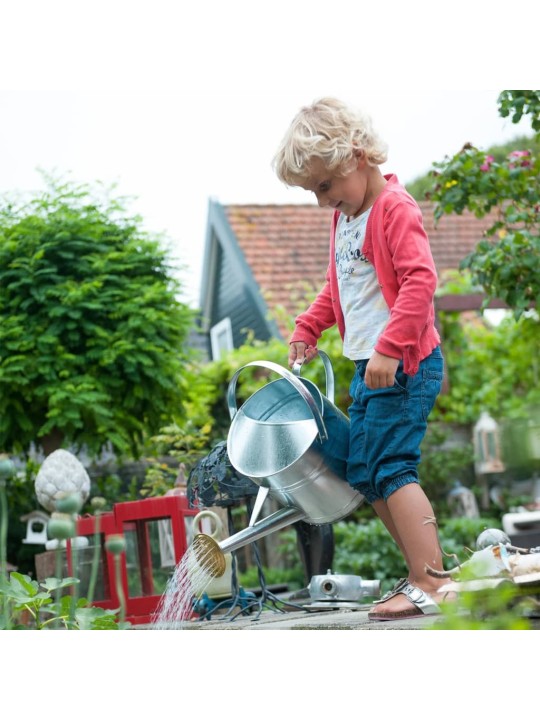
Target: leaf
point(52, 583)
point(23, 585)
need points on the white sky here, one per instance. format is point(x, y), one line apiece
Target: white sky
point(178, 103)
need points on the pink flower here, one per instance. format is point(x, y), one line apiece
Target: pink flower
point(516, 155)
point(487, 163)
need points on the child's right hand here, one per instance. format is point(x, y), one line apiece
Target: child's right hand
point(301, 353)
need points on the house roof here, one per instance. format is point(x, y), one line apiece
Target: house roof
point(286, 246)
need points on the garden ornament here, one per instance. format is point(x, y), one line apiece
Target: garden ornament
point(61, 474)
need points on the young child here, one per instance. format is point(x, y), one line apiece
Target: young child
point(379, 290)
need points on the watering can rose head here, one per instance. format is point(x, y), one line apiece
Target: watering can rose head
point(209, 555)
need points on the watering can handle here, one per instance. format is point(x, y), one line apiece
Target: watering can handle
point(295, 382)
point(329, 373)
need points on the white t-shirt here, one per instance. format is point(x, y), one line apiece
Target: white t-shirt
point(364, 307)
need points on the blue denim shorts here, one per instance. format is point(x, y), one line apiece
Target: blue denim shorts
point(388, 426)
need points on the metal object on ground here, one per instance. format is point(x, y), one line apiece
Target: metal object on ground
point(340, 591)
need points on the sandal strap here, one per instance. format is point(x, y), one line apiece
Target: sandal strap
point(394, 591)
point(418, 597)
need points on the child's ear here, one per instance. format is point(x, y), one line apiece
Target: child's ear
point(360, 155)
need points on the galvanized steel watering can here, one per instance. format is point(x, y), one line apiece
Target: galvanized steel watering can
point(293, 442)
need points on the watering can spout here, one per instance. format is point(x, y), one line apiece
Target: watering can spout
point(210, 554)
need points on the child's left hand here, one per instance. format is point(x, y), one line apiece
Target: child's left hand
point(380, 371)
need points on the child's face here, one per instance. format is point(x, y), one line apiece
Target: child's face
point(348, 194)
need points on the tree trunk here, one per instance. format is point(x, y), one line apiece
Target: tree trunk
point(52, 441)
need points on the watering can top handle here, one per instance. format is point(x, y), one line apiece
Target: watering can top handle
point(295, 382)
point(217, 527)
point(328, 370)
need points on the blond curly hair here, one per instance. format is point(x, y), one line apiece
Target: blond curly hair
point(329, 131)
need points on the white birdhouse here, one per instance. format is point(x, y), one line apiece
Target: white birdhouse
point(36, 527)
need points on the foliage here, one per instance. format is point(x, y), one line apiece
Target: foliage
point(421, 187)
point(21, 500)
point(490, 368)
point(113, 488)
point(505, 262)
point(92, 336)
point(293, 577)
point(29, 604)
point(442, 466)
point(516, 103)
point(186, 444)
point(367, 550)
point(457, 536)
point(493, 608)
point(36, 600)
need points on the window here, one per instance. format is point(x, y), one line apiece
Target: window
point(221, 338)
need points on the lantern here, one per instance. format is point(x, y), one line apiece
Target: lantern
point(487, 446)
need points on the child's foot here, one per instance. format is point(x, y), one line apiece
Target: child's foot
point(406, 600)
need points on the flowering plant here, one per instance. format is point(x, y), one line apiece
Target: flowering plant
point(505, 261)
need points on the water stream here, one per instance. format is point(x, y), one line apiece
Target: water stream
point(190, 579)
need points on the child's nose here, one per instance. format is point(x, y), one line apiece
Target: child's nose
point(322, 200)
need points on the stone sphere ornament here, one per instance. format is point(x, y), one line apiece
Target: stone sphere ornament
point(491, 536)
point(61, 474)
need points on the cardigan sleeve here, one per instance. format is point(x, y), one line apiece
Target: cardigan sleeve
point(410, 288)
point(318, 317)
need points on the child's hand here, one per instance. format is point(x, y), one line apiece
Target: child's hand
point(380, 371)
point(301, 353)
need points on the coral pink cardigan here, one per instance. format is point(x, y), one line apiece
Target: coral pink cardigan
point(398, 247)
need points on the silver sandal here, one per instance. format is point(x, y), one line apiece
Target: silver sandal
point(422, 603)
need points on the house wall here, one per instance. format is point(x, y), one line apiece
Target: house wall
point(234, 299)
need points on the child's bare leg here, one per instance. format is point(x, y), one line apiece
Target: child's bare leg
point(411, 515)
point(381, 508)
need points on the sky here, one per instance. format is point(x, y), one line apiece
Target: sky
point(179, 102)
point(177, 105)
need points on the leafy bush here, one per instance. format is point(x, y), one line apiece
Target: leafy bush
point(92, 335)
point(28, 604)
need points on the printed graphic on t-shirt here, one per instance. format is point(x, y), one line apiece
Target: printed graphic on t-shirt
point(364, 308)
point(348, 249)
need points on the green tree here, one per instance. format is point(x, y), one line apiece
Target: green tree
point(92, 335)
point(505, 262)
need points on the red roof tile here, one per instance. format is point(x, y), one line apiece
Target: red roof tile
point(287, 245)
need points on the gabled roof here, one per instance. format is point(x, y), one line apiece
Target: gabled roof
point(284, 245)
point(287, 245)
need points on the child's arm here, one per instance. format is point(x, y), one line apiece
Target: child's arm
point(316, 319)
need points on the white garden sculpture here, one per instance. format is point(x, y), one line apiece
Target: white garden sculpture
point(61, 474)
